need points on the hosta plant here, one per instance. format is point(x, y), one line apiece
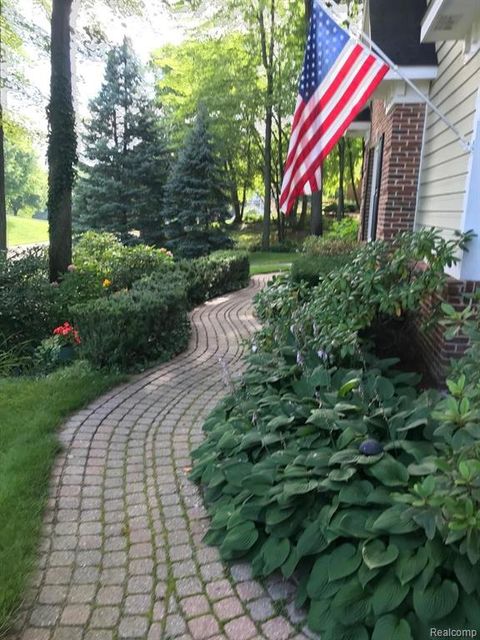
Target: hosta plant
point(330, 466)
point(301, 471)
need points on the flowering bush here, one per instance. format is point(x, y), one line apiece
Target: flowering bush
point(67, 335)
point(114, 265)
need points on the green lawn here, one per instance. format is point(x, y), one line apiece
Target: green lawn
point(270, 262)
point(30, 412)
point(26, 231)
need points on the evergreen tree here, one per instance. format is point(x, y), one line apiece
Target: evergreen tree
point(195, 207)
point(121, 183)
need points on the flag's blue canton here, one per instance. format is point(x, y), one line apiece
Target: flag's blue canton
point(325, 43)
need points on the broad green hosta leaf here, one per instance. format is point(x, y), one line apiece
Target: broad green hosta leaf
point(394, 521)
point(435, 602)
point(299, 488)
point(390, 472)
point(389, 594)
point(258, 482)
point(312, 540)
point(318, 578)
point(240, 538)
point(348, 387)
point(236, 472)
point(352, 522)
point(356, 493)
point(392, 628)
point(318, 613)
point(343, 561)
point(351, 604)
point(384, 388)
point(409, 565)
point(274, 551)
point(280, 421)
point(467, 575)
point(375, 554)
point(275, 514)
point(342, 475)
point(347, 456)
point(366, 575)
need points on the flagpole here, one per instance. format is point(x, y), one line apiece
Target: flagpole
point(468, 146)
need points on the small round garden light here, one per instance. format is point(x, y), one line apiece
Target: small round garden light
point(371, 447)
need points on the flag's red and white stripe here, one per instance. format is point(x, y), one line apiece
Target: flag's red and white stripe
point(321, 121)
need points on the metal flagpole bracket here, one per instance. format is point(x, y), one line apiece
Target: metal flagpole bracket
point(361, 35)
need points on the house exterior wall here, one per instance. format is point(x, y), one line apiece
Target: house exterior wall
point(445, 164)
point(402, 127)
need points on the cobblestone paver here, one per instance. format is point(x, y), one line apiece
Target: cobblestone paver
point(121, 555)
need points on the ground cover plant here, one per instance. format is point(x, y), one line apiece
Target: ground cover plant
point(30, 411)
point(334, 467)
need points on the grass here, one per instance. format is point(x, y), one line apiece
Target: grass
point(270, 262)
point(30, 412)
point(26, 231)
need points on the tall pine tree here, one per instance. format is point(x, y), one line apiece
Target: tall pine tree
point(121, 183)
point(196, 207)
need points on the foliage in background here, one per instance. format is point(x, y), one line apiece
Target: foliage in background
point(25, 179)
point(195, 205)
point(319, 464)
point(218, 72)
point(127, 157)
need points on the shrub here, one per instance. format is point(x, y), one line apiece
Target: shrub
point(197, 243)
point(128, 329)
point(28, 303)
point(383, 279)
point(345, 229)
point(214, 275)
point(310, 268)
point(103, 257)
point(347, 476)
point(322, 246)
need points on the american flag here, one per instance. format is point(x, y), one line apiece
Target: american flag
point(339, 75)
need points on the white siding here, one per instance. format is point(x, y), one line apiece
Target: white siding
point(445, 165)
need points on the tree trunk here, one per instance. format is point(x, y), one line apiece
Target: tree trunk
point(351, 165)
point(303, 214)
point(243, 203)
point(316, 223)
point(267, 173)
point(268, 52)
point(236, 206)
point(3, 206)
point(341, 179)
point(62, 142)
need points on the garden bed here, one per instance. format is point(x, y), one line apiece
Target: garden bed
point(335, 466)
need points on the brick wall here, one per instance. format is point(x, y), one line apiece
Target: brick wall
point(403, 129)
point(438, 352)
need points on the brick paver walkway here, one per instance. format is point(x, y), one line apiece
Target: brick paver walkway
point(122, 553)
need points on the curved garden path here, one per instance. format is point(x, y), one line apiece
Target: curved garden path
point(122, 554)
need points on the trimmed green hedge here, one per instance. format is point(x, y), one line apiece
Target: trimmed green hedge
point(128, 329)
point(131, 328)
point(309, 268)
point(214, 275)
